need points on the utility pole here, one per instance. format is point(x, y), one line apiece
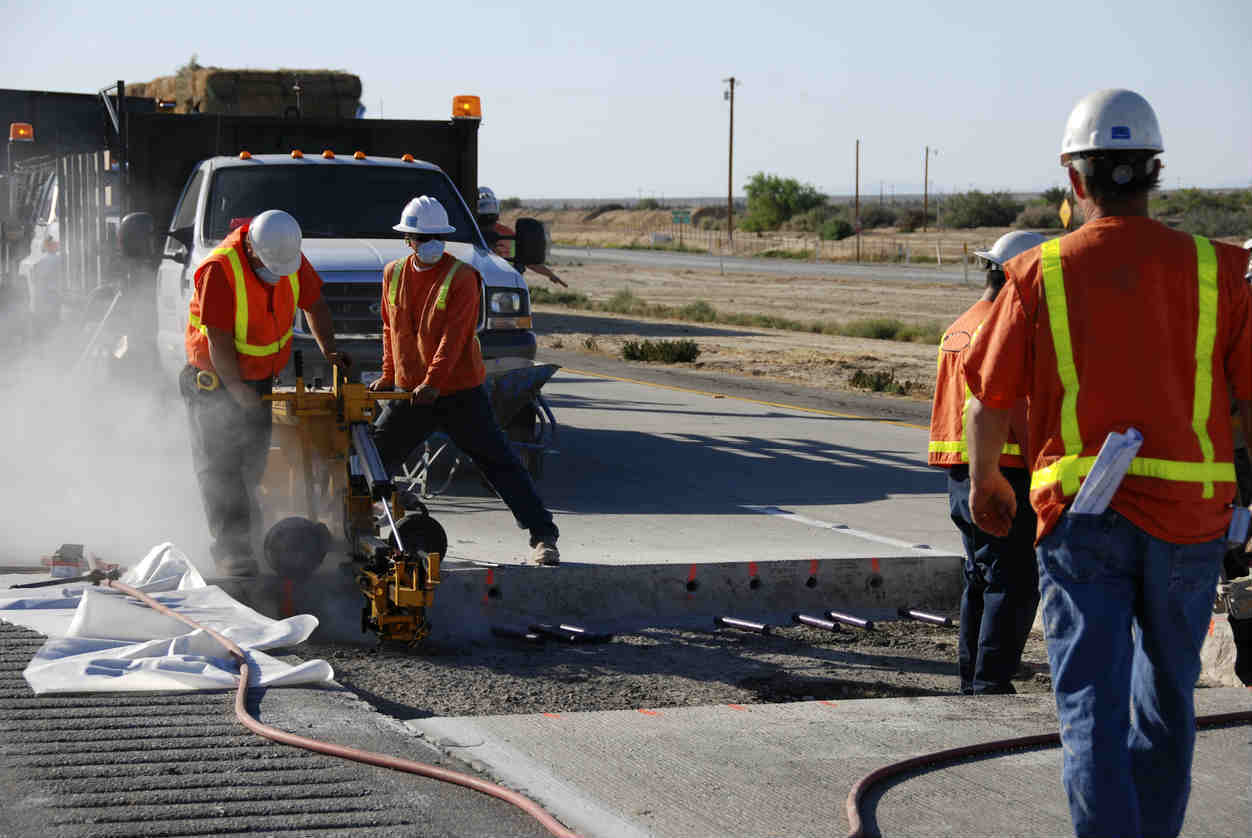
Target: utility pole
point(857, 221)
point(730, 166)
point(925, 186)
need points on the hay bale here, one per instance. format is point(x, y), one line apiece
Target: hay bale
point(325, 94)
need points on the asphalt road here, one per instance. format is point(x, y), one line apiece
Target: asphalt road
point(669, 260)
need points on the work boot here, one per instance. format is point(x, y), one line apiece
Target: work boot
point(545, 554)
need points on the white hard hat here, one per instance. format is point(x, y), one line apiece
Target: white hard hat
point(487, 203)
point(1247, 245)
point(424, 215)
point(1111, 119)
point(275, 238)
point(1009, 245)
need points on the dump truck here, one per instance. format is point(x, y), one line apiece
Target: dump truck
point(108, 221)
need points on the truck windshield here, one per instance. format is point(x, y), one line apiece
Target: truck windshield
point(331, 201)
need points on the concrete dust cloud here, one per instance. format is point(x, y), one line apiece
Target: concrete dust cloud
point(88, 458)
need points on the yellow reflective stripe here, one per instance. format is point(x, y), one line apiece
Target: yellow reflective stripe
point(1058, 320)
point(442, 302)
point(958, 446)
point(241, 298)
point(397, 271)
point(1206, 336)
point(1178, 471)
point(294, 279)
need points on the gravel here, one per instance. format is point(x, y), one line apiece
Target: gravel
point(661, 667)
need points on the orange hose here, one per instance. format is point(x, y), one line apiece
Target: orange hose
point(853, 804)
point(421, 769)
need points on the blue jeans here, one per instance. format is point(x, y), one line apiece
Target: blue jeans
point(1125, 614)
point(1001, 588)
point(466, 417)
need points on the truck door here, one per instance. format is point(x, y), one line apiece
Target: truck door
point(174, 277)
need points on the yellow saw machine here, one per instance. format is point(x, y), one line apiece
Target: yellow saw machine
point(325, 460)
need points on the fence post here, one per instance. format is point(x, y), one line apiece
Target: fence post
point(938, 254)
point(965, 261)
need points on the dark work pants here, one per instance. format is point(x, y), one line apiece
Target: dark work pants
point(466, 417)
point(1001, 588)
point(229, 447)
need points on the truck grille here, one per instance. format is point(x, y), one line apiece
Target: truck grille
point(355, 307)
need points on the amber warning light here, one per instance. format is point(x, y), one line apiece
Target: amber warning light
point(21, 132)
point(467, 107)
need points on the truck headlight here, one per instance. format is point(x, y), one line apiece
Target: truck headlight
point(505, 302)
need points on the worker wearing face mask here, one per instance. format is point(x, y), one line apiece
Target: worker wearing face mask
point(238, 338)
point(430, 310)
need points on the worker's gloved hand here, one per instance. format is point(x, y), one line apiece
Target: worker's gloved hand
point(559, 281)
point(425, 394)
point(993, 504)
point(340, 359)
point(379, 384)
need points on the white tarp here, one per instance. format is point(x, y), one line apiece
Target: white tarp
point(101, 641)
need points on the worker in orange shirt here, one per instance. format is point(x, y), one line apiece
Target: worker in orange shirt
point(238, 338)
point(1124, 323)
point(500, 236)
point(430, 311)
point(1001, 584)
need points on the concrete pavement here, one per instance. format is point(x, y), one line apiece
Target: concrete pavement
point(786, 769)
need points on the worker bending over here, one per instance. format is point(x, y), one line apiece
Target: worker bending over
point(500, 236)
point(1001, 583)
point(238, 338)
point(1121, 324)
point(430, 313)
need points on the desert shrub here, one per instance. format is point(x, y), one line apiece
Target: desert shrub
point(511, 204)
point(836, 229)
point(573, 299)
point(1216, 221)
point(601, 210)
point(909, 219)
point(648, 204)
point(715, 214)
point(882, 381)
point(665, 351)
point(980, 209)
point(877, 215)
point(699, 311)
point(1054, 195)
point(1039, 216)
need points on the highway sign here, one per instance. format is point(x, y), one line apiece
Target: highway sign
point(681, 216)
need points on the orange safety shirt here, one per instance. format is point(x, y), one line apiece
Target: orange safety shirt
point(947, 446)
point(504, 247)
point(260, 316)
point(1136, 306)
point(430, 315)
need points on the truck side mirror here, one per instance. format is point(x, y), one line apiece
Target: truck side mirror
point(532, 242)
point(137, 233)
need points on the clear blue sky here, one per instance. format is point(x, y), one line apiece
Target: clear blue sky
point(585, 99)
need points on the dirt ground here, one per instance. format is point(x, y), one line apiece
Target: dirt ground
point(663, 668)
point(815, 360)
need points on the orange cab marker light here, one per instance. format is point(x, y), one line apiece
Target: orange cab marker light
point(297, 154)
point(21, 132)
point(245, 155)
point(328, 154)
point(408, 158)
point(358, 155)
point(467, 107)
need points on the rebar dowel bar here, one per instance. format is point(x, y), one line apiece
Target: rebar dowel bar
point(742, 625)
point(850, 620)
point(924, 617)
point(368, 757)
point(815, 622)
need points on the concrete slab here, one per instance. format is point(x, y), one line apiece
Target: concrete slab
point(785, 769)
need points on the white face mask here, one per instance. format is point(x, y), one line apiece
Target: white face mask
point(430, 252)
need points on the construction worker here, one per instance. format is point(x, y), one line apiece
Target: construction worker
point(1001, 584)
point(500, 236)
point(238, 338)
point(430, 311)
point(1124, 323)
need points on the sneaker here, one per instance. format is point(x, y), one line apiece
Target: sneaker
point(545, 554)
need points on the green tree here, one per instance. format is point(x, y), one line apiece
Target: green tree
point(1055, 195)
point(773, 200)
point(981, 209)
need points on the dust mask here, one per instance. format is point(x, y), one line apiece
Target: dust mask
point(266, 275)
point(429, 252)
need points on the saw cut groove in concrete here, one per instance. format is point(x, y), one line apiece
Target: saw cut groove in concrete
point(841, 528)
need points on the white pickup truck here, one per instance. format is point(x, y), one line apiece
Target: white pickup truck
point(346, 205)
